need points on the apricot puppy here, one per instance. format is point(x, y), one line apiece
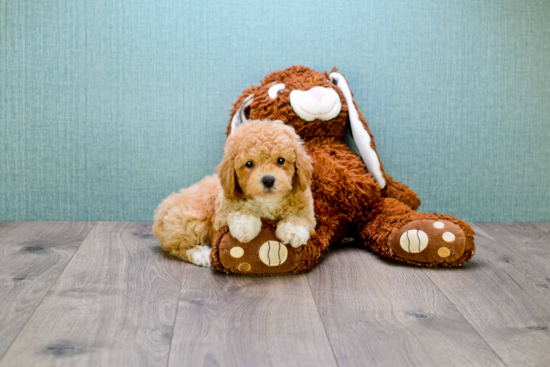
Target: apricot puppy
point(265, 173)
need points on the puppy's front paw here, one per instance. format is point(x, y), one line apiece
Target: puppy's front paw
point(199, 255)
point(292, 234)
point(244, 227)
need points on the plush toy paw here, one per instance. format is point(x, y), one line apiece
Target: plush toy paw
point(265, 254)
point(199, 255)
point(292, 234)
point(428, 241)
point(244, 227)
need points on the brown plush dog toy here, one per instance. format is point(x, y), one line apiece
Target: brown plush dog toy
point(353, 195)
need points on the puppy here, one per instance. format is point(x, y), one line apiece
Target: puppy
point(265, 173)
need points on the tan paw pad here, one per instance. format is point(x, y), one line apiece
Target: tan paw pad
point(443, 252)
point(244, 267)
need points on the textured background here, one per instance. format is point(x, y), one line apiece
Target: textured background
point(106, 107)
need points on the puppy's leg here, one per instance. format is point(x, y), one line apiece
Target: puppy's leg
point(199, 255)
point(244, 226)
point(179, 228)
point(294, 230)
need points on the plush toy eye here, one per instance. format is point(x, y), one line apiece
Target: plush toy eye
point(275, 89)
point(249, 164)
point(281, 161)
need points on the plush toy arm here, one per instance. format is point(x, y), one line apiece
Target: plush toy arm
point(393, 189)
point(364, 140)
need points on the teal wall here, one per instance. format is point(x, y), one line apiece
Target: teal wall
point(106, 107)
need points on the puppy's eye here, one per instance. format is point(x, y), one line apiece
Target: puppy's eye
point(249, 164)
point(276, 89)
point(280, 161)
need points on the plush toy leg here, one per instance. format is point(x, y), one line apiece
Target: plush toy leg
point(401, 192)
point(264, 255)
point(392, 229)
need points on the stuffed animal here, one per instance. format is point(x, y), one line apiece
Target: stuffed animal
point(353, 195)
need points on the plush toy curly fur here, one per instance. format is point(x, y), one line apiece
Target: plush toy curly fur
point(353, 195)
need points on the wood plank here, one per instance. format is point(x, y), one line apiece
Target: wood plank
point(543, 228)
point(114, 305)
point(32, 255)
point(230, 320)
point(526, 240)
point(504, 297)
point(382, 313)
point(4, 226)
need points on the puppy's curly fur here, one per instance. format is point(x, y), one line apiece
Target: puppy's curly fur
point(265, 173)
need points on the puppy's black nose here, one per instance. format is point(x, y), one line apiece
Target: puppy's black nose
point(268, 181)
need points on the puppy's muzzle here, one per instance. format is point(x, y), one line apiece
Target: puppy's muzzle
point(268, 181)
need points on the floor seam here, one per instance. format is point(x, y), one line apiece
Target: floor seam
point(464, 317)
point(322, 322)
point(175, 319)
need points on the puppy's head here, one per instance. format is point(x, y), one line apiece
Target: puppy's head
point(264, 159)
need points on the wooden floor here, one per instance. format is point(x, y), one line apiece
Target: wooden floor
point(103, 294)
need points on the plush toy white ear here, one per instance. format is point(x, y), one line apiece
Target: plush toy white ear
point(239, 117)
point(360, 134)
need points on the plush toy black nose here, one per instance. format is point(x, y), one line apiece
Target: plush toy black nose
point(268, 181)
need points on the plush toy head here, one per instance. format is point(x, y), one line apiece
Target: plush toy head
point(317, 105)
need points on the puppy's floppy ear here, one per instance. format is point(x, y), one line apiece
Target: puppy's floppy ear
point(361, 134)
point(304, 167)
point(228, 176)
